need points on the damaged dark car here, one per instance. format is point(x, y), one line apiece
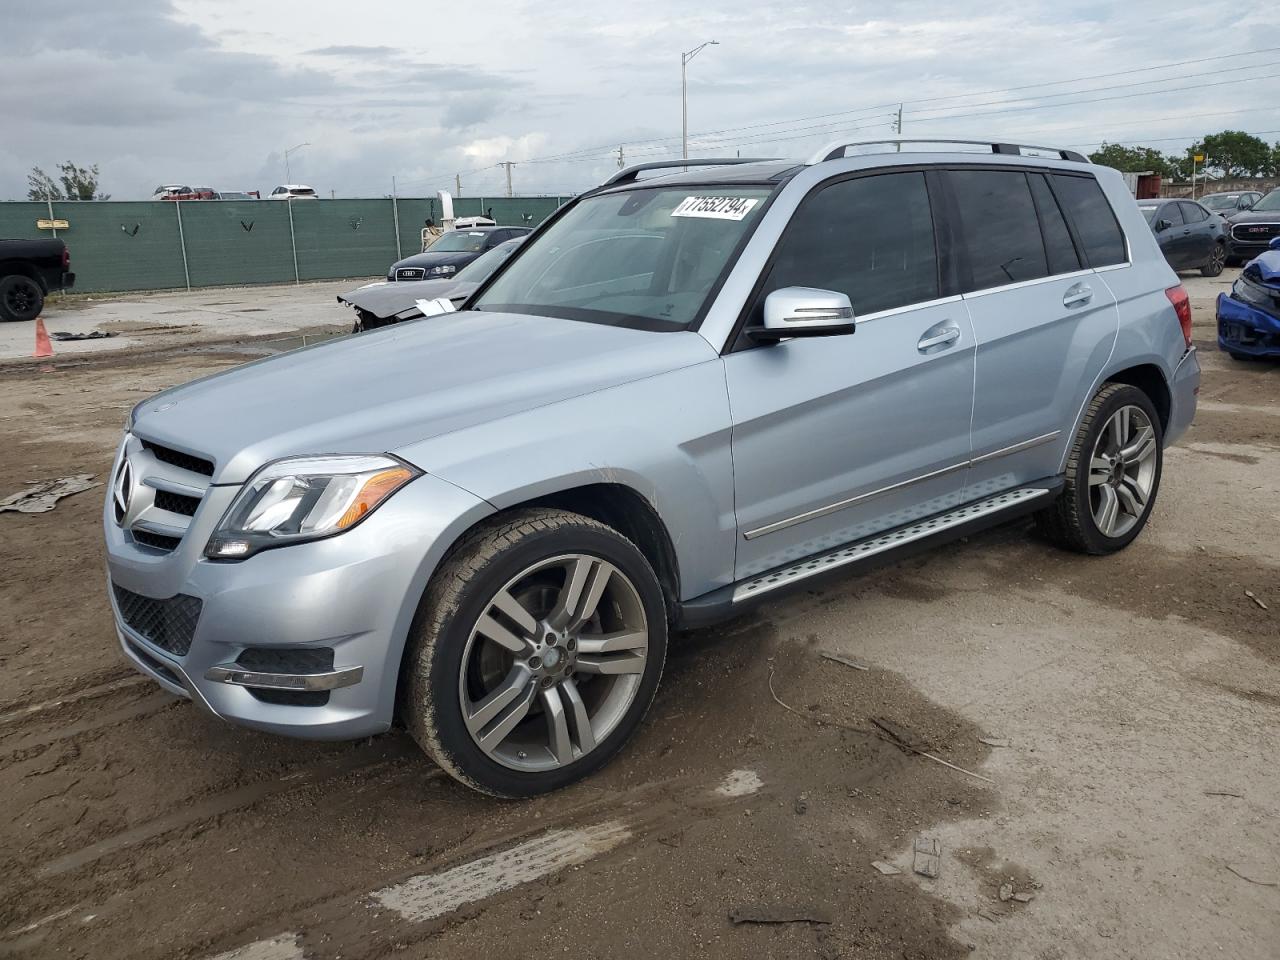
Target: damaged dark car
point(1249, 316)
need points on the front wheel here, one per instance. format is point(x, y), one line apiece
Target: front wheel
point(1217, 261)
point(1113, 474)
point(536, 653)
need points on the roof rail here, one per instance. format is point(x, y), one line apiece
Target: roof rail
point(834, 151)
point(631, 174)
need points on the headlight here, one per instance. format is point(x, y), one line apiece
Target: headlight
point(443, 270)
point(305, 498)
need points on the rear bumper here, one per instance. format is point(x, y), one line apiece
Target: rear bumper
point(1245, 329)
point(1184, 392)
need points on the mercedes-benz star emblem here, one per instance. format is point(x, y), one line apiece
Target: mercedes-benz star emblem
point(122, 490)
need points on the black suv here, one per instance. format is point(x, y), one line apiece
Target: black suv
point(29, 269)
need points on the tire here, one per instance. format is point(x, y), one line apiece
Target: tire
point(1217, 261)
point(458, 678)
point(1078, 518)
point(21, 298)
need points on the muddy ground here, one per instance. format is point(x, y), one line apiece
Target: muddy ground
point(1130, 790)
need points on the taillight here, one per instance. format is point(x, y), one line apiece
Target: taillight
point(66, 258)
point(1182, 307)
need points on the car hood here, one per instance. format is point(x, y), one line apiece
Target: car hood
point(1268, 267)
point(430, 259)
point(382, 390)
point(1255, 216)
point(385, 299)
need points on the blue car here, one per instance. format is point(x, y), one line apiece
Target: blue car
point(1249, 316)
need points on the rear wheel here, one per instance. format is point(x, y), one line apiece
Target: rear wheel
point(536, 653)
point(1216, 262)
point(21, 298)
point(1113, 474)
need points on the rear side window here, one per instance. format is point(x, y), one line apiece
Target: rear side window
point(1089, 212)
point(870, 238)
point(1171, 212)
point(1193, 212)
point(1057, 238)
point(998, 226)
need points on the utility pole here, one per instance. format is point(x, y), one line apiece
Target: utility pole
point(685, 57)
point(508, 164)
point(457, 182)
point(621, 162)
point(899, 127)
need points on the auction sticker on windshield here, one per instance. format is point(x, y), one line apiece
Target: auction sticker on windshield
point(715, 208)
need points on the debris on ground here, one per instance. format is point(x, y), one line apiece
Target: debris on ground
point(43, 495)
point(801, 804)
point(778, 913)
point(904, 737)
point(1006, 892)
point(1223, 793)
point(847, 661)
point(1254, 597)
point(1023, 897)
point(995, 741)
point(927, 856)
point(1244, 876)
point(95, 335)
point(888, 869)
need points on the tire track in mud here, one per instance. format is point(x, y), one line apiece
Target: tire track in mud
point(20, 714)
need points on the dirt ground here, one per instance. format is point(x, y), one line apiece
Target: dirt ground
point(1128, 795)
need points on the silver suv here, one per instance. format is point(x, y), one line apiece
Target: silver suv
point(685, 393)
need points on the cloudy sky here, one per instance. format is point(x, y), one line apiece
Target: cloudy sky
point(213, 91)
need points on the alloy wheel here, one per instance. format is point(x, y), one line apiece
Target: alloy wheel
point(553, 663)
point(1122, 471)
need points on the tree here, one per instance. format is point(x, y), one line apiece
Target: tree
point(1232, 154)
point(1132, 159)
point(78, 183)
point(1273, 168)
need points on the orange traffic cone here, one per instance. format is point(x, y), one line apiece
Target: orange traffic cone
point(43, 347)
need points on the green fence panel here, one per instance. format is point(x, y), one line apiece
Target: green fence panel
point(343, 238)
point(126, 245)
point(237, 241)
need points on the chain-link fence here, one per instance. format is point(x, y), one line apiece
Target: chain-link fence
point(159, 244)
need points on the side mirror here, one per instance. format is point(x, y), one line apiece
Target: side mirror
point(1274, 244)
point(804, 312)
point(1162, 225)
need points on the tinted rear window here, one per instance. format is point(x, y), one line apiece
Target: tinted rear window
point(1091, 215)
point(1001, 234)
point(1057, 238)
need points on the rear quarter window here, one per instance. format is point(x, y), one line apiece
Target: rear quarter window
point(1091, 215)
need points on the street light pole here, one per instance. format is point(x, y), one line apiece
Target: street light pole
point(685, 57)
point(287, 174)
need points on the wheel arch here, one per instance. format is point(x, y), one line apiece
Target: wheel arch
point(1150, 379)
point(21, 268)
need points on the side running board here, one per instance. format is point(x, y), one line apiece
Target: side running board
point(875, 551)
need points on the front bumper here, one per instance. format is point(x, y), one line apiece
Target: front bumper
point(1246, 329)
point(353, 594)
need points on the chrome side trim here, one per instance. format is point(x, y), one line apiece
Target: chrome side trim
point(1017, 447)
point(1034, 282)
point(908, 308)
point(886, 541)
point(850, 501)
point(234, 674)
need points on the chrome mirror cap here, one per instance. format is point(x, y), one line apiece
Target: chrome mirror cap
point(804, 312)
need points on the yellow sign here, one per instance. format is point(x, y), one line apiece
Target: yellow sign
point(1198, 157)
point(52, 224)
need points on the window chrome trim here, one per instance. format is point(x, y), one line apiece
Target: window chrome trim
point(1018, 285)
point(907, 308)
point(871, 494)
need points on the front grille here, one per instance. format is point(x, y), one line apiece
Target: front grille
point(1255, 232)
point(177, 502)
point(177, 458)
point(169, 624)
point(154, 664)
point(410, 273)
point(157, 541)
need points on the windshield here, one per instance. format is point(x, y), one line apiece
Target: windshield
point(479, 269)
point(645, 258)
point(1149, 212)
point(1270, 202)
point(459, 241)
point(1221, 201)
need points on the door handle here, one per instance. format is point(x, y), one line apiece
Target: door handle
point(1078, 295)
point(931, 339)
